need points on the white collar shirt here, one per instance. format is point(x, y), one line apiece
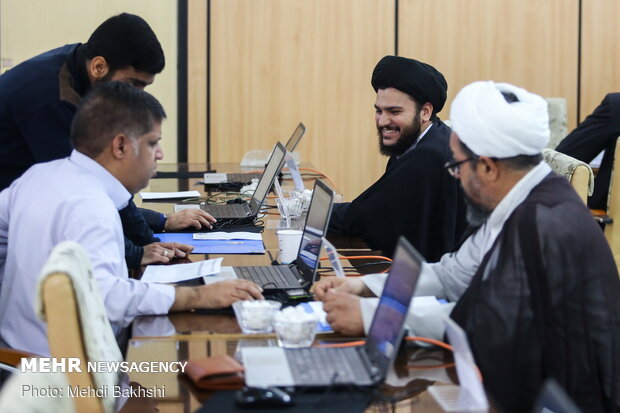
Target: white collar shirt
point(71, 199)
point(450, 277)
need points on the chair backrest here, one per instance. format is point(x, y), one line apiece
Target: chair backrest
point(557, 121)
point(578, 173)
point(15, 398)
point(70, 302)
point(612, 230)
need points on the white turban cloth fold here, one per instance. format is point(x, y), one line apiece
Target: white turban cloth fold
point(490, 126)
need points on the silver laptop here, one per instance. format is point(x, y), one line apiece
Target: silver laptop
point(299, 274)
point(245, 210)
point(246, 178)
point(365, 365)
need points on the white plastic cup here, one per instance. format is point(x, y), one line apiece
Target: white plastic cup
point(288, 240)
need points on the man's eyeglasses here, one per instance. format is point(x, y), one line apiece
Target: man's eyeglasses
point(454, 167)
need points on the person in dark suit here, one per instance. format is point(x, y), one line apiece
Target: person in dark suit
point(415, 197)
point(598, 132)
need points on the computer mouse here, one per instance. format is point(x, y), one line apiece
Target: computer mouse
point(263, 397)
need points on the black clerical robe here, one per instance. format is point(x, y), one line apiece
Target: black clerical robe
point(416, 197)
point(545, 302)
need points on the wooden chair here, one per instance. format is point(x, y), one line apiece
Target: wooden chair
point(612, 227)
point(578, 173)
point(78, 326)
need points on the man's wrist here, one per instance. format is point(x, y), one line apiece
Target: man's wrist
point(164, 220)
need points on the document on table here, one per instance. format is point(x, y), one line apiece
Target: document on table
point(256, 236)
point(168, 195)
point(215, 246)
point(170, 274)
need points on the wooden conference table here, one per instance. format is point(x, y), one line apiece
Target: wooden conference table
point(194, 335)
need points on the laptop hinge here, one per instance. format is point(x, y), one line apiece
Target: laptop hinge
point(373, 371)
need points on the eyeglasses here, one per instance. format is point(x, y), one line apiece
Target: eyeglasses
point(454, 167)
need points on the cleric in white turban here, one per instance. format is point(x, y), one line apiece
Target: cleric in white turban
point(491, 124)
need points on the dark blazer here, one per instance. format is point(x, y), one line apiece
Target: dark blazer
point(416, 197)
point(599, 131)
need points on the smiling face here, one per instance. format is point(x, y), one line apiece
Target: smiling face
point(398, 121)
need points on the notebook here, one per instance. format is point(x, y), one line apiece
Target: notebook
point(250, 211)
point(246, 178)
point(365, 365)
point(300, 273)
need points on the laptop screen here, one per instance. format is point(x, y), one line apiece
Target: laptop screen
point(266, 180)
point(386, 330)
point(316, 226)
point(295, 137)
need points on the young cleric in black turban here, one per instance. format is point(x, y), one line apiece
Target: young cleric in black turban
point(415, 197)
point(419, 80)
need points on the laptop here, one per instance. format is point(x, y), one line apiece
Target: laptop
point(365, 365)
point(245, 210)
point(246, 178)
point(300, 274)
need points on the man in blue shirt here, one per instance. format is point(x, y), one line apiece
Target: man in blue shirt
point(39, 99)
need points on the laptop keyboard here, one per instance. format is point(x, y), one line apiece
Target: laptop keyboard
point(268, 276)
point(325, 366)
point(243, 178)
point(233, 210)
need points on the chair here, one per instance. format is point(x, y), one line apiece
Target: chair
point(11, 399)
point(578, 173)
point(557, 121)
point(612, 227)
point(69, 300)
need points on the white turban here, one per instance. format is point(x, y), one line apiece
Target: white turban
point(490, 126)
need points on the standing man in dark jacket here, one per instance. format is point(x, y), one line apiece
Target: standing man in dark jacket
point(415, 197)
point(39, 99)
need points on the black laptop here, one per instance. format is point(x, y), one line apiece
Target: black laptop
point(299, 274)
point(365, 365)
point(250, 210)
point(246, 178)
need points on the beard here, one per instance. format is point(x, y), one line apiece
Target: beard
point(408, 136)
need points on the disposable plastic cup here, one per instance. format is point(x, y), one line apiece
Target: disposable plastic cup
point(288, 240)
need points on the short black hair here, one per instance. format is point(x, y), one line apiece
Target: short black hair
point(109, 109)
point(126, 40)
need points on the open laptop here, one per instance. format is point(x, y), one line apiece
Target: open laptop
point(246, 178)
point(365, 365)
point(241, 211)
point(301, 272)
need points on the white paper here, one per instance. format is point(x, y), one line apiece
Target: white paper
point(169, 274)
point(215, 178)
point(333, 258)
point(471, 396)
point(169, 195)
point(292, 167)
point(228, 235)
point(181, 207)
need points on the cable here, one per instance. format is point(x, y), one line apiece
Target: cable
point(347, 344)
point(364, 257)
point(321, 174)
point(359, 257)
point(430, 341)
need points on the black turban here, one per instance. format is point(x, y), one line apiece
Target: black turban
point(419, 80)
